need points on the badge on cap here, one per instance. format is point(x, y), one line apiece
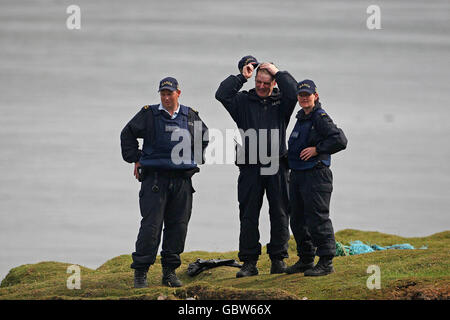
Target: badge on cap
point(168, 83)
point(246, 60)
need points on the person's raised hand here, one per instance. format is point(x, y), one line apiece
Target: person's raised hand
point(247, 71)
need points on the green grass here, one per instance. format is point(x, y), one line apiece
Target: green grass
point(405, 274)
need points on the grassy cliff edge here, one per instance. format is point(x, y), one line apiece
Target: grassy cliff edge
point(405, 274)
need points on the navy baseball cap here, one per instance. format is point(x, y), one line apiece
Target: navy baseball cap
point(246, 60)
point(168, 83)
point(306, 86)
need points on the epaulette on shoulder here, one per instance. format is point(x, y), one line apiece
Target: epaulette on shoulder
point(320, 112)
point(145, 108)
point(189, 109)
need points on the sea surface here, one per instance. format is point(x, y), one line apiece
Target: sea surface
point(65, 192)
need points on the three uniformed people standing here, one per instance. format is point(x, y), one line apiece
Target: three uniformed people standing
point(166, 191)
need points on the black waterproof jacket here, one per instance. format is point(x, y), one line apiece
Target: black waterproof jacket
point(249, 111)
point(315, 129)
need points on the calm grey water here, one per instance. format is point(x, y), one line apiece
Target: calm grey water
point(65, 193)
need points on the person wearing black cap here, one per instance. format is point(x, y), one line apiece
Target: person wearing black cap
point(314, 138)
point(268, 108)
point(166, 187)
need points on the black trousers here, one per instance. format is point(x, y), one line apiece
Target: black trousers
point(251, 188)
point(310, 194)
point(170, 206)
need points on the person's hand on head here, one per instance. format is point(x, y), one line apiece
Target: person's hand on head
point(269, 67)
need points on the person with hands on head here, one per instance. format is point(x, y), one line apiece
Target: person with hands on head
point(264, 108)
point(166, 191)
point(314, 138)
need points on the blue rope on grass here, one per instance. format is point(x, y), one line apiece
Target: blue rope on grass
point(359, 247)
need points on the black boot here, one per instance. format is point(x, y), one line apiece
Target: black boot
point(248, 269)
point(170, 278)
point(140, 278)
point(322, 268)
point(278, 266)
point(301, 265)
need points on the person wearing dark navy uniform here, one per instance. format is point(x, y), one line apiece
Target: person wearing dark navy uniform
point(268, 108)
point(165, 197)
point(314, 138)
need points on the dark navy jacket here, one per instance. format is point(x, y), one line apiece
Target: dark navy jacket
point(249, 111)
point(152, 125)
point(315, 129)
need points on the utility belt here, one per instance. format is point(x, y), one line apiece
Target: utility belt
point(318, 165)
point(145, 172)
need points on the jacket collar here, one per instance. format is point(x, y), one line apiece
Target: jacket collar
point(301, 113)
point(159, 110)
point(276, 95)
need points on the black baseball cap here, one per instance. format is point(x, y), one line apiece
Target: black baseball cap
point(246, 60)
point(306, 86)
point(168, 83)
